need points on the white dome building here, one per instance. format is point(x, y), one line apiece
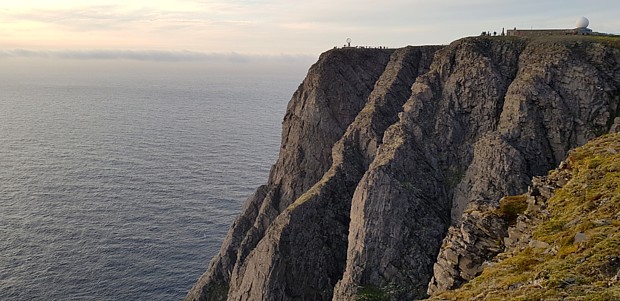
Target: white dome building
point(581, 26)
point(582, 22)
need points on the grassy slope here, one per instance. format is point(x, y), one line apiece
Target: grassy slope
point(590, 204)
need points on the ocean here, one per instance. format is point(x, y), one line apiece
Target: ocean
point(123, 187)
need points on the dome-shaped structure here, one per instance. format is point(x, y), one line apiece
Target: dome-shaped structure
point(582, 22)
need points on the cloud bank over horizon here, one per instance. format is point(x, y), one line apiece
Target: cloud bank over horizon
point(152, 55)
point(276, 26)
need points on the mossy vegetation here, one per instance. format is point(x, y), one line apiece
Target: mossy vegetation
point(372, 293)
point(582, 261)
point(314, 190)
point(613, 41)
point(511, 206)
point(578, 40)
point(220, 292)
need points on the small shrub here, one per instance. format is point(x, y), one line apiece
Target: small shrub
point(524, 262)
point(595, 162)
point(372, 293)
point(567, 250)
point(511, 206)
point(550, 227)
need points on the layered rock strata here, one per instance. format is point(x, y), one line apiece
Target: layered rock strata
point(382, 151)
point(335, 89)
point(572, 97)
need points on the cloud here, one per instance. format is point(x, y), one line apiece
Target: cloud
point(151, 55)
point(274, 26)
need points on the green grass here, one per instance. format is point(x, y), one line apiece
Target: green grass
point(613, 41)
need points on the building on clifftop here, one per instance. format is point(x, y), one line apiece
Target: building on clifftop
point(581, 28)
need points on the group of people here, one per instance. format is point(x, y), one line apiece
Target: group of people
point(488, 33)
point(362, 47)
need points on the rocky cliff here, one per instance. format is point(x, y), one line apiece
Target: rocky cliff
point(558, 241)
point(382, 151)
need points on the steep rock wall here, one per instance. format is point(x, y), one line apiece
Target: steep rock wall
point(401, 209)
point(353, 200)
point(303, 254)
point(564, 94)
point(330, 97)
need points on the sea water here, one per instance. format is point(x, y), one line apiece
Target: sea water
point(123, 188)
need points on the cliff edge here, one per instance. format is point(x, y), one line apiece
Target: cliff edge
point(384, 149)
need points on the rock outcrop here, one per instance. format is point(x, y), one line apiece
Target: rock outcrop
point(490, 228)
point(383, 151)
point(560, 239)
point(542, 122)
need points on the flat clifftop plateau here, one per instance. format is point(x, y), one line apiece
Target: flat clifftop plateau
point(383, 150)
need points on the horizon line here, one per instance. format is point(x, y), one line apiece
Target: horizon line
point(151, 55)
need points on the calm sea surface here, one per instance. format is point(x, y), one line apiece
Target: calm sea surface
point(123, 189)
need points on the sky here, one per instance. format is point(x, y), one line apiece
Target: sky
point(263, 30)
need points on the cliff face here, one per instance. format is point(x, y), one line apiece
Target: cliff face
point(334, 91)
point(382, 150)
